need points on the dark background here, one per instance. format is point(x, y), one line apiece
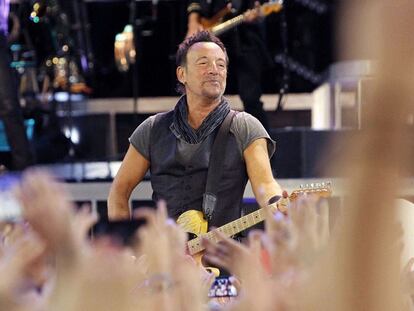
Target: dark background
point(310, 44)
point(310, 41)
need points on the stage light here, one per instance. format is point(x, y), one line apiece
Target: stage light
point(73, 134)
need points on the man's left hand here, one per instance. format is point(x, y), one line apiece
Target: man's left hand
point(252, 14)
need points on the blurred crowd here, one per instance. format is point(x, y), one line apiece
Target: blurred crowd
point(48, 262)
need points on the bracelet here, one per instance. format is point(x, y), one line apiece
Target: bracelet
point(159, 282)
point(283, 203)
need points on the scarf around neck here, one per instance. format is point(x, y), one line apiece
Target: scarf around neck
point(182, 129)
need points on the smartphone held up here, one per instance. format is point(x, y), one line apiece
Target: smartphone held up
point(10, 209)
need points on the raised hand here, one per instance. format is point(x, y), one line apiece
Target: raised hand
point(17, 257)
point(83, 220)
point(160, 240)
point(233, 256)
point(47, 207)
point(407, 277)
point(172, 274)
point(294, 242)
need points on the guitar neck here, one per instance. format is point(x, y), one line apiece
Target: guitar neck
point(264, 10)
point(230, 229)
point(227, 25)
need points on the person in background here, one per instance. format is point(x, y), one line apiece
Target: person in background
point(10, 110)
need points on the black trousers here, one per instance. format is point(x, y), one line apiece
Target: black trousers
point(250, 56)
point(11, 114)
point(249, 85)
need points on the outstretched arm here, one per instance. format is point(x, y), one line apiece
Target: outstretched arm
point(259, 170)
point(194, 25)
point(130, 174)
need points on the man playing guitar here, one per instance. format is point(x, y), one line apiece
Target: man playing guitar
point(176, 146)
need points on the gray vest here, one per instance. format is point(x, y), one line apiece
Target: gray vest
point(182, 183)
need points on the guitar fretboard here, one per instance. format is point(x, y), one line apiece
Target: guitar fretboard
point(249, 220)
point(265, 10)
point(230, 229)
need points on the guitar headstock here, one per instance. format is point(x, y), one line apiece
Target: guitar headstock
point(323, 189)
point(271, 7)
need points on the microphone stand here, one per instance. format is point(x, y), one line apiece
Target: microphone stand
point(134, 67)
point(286, 76)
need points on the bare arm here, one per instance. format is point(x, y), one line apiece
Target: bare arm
point(194, 25)
point(260, 173)
point(130, 174)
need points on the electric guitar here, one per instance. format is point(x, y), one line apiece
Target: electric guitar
point(217, 27)
point(193, 221)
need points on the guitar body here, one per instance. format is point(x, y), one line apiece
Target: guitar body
point(194, 224)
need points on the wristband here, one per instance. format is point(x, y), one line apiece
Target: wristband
point(274, 199)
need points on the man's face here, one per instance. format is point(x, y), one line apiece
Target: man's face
point(205, 73)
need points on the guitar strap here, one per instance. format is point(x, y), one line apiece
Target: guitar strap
point(215, 168)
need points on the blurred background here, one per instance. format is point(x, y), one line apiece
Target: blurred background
point(90, 71)
point(71, 85)
point(89, 28)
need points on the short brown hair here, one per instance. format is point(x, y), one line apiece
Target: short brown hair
point(181, 56)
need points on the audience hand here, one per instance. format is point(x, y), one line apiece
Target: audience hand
point(252, 15)
point(47, 207)
point(16, 260)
